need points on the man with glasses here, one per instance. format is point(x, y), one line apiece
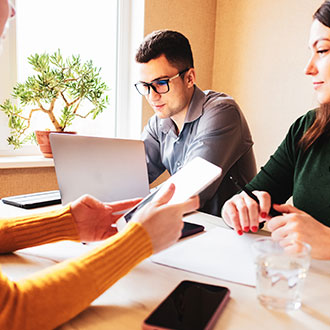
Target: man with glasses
point(189, 122)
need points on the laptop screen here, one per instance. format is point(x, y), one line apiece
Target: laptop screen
point(110, 169)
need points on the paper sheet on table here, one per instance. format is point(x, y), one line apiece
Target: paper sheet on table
point(219, 253)
point(59, 251)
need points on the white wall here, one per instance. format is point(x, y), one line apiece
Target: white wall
point(7, 77)
point(260, 54)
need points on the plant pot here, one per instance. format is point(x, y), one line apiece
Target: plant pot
point(44, 144)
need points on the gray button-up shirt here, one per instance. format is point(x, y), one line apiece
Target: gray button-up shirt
point(214, 129)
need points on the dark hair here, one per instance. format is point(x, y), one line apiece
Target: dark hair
point(174, 45)
point(323, 14)
point(321, 125)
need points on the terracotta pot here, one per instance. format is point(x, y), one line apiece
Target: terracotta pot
point(43, 141)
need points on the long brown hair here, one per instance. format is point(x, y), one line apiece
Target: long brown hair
point(321, 125)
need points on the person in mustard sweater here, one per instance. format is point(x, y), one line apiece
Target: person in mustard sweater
point(300, 167)
point(53, 296)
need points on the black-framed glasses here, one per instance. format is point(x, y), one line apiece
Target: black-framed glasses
point(160, 86)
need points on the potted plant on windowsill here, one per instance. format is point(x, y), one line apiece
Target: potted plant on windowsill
point(57, 90)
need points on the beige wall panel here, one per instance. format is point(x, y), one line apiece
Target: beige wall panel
point(260, 54)
point(196, 20)
point(27, 180)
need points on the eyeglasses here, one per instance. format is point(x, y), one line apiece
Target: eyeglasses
point(159, 86)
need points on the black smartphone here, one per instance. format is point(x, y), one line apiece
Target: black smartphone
point(190, 306)
point(190, 229)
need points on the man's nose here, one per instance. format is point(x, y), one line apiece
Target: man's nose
point(153, 95)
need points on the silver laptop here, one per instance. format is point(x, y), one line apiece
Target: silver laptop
point(109, 169)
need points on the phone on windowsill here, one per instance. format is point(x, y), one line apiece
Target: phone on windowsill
point(191, 305)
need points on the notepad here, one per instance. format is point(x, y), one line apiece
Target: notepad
point(219, 253)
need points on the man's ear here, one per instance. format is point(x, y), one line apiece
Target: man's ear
point(190, 77)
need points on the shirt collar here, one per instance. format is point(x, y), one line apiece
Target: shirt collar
point(195, 110)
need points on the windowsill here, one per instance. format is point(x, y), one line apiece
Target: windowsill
point(25, 161)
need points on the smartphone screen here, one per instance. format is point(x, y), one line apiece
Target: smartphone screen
point(191, 305)
point(128, 216)
point(190, 229)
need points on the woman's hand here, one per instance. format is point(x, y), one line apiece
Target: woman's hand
point(242, 213)
point(163, 222)
point(296, 225)
point(94, 219)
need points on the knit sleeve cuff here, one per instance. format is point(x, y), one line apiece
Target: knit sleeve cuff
point(37, 229)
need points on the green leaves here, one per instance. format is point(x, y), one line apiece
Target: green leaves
point(16, 123)
point(67, 116)
point(57, 89)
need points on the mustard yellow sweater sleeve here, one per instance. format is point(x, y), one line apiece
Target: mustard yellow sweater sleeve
point(37, 229)
point(53, 296)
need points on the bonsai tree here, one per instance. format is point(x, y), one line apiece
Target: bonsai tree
point(57, 89)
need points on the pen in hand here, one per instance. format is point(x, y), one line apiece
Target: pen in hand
point(272, 211)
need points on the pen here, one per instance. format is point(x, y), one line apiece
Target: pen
point(272, 212)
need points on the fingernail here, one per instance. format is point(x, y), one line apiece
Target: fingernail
point(246, 229)
point(254, 229)
point(239, 232)
point(263, 214)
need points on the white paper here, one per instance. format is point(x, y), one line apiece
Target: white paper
point(59, 251)
point(220, 253)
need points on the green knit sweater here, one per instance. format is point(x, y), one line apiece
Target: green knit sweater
point(303, 175)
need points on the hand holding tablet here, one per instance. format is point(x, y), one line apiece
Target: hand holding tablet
point(189, 181)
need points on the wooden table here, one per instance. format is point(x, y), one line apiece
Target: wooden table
point(127, 303)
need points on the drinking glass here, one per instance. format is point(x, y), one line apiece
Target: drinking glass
point(280, 273)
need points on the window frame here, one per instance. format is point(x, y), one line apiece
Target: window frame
point(128, 104)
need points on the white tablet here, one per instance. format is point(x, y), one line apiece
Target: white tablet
point(189, 181)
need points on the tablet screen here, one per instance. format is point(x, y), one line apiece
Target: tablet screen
point(144, 201)
point(189, 181)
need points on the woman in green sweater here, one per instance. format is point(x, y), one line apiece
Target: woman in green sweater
point(300, 167)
